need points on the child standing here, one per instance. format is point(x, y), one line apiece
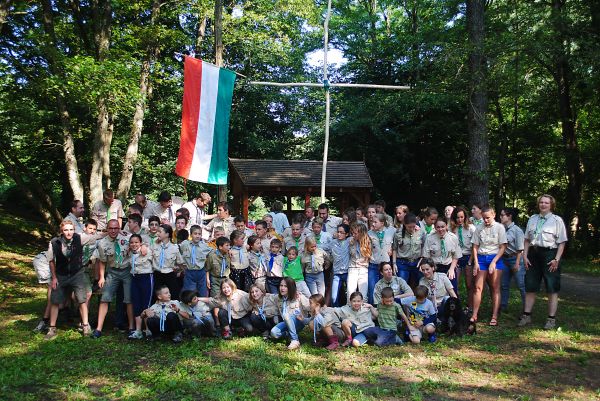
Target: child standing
point(314, 262)
point(421, 315)
point(292, 307)
point(240, 264)
point(194, 253)
point(257, 263)
point(293, 268)
point(162, 317)
point(195, 314)
point(340, 255)
point(167, 261)
point(324, 322)
point(218, 265)
point(142, 282)
point(274, 266)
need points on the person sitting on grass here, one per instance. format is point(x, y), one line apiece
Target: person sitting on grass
point(439, 285)
point(264, 310)
point(162, 318)
point(292, 307)
point(357, 320)
point(389, 280)
point(421, 315)
point(387, 314)
point(195, 315)
point(324, 322)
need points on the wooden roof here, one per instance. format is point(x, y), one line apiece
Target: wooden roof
point(301, 173)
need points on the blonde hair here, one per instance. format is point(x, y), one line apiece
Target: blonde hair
point(309, 241)
point(66, 223)
point(405, 209)
point(229, 282)
point(250, 297)
point(552, 200)
point(364, 241)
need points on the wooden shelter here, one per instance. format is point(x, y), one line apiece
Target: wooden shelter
point(347, 181)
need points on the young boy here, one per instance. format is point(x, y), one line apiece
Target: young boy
point(218, 265)
point(153, 224)
point(240, 225)
point(293, 268)
point(162, 317)
point(387, 314)
point(421, 314)
point(323, 239)
point(181, 223)
point(194, 253)
point(257, 262)
point(325, 322)
point(274, 266)
point(296, 239)
point(218, 232)
point(195, 314)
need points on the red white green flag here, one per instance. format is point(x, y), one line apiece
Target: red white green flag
point(207, 94)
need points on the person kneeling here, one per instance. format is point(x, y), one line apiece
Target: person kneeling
point(324, 322)
point(421, 314)
point(195, 315)
point(162, 318)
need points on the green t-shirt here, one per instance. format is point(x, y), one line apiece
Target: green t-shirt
point(293, 269)
point(388, 315)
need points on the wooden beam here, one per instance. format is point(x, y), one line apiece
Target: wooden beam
point(307, 200)
point(245, 206)
point(289, 203)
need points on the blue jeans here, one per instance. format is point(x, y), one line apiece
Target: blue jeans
point(507, 277)
point(196, 280)
point(408, 271)
point(336, 289)
point(368, 334)
point(315, 283)
point(290, 326)
point(374, 277)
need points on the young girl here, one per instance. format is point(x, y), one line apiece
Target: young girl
point(397, 284)
point(430, 215)
point(256, 260)
point(399, 213)
point(194, 253)
point(293, 268)
point(360, 253)
point(407, 248)
point(167, 261)
point(463, 229)
point(489, 243)
point(443, 248)
point(240, 264)
point(357, 320)
point(195, 314)
point(381, 243)
point(324, 322)
point(264, 310)
point(142, 282)
point(292, 307)
point(314, 262)
point(340, 255)
point(232, 308)
point(476, 218)
point(439, 285)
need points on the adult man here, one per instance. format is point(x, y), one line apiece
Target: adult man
point(75, 216)
point(166, 208)
point(330, 223)
point(296, 238)
point(147, 206)
point(64, 256)
point(280, 220)
point(223, 219)
point(107, 209)
point(111, 257)
point(309, 213)
point(197, 209)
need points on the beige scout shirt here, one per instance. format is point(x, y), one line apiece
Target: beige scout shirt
point(362, 318)
point(381, 245)
point(227, 224)
point(546, 232)
point(171, 258)
point(298, 306)
point(138, 263)
point(113, 252)
point(199, 252)
point(268, 306)
point(356, 258)
point(239, 303)
point(466, 234)
point(330, 317)
point(409, 246)
point(215, 265)
point(398, 285)
point(439, 287)
point(103, 213)
point(314, 263)
point(489, 238)
point(442, 251)
point(239, 258)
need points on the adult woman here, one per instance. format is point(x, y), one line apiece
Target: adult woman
point(545, 239)
point(443, 248)
point(463, 229)
point(399, 213)
point(406, 249)
point(512, 257)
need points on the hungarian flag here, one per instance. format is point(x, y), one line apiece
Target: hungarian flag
point(207, 93)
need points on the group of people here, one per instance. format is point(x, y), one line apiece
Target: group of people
point(365, 277)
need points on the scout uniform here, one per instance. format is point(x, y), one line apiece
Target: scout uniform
point(142, 283)
point(258, 268)
point(398, 285)
point(218, 266)
point(240, 267)
point(194, 255)
point(113, 252)
point(103, 213)
point(489, 240)
point(166, 260)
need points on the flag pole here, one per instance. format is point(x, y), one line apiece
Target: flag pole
point(327, 101)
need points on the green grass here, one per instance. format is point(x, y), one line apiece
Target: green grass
point(589, 267)
point(503, 363)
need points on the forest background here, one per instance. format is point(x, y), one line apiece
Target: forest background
point(90, 97)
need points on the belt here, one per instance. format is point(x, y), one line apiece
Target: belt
point(537, 247)
point(408, 260)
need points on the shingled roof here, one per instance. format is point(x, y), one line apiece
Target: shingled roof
point(301, 173)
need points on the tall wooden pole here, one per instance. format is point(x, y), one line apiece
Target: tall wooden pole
point(222, 189)
point(327, 101)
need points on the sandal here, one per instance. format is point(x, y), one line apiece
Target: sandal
point(493, 322)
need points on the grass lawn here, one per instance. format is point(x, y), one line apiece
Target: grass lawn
point(499, 363)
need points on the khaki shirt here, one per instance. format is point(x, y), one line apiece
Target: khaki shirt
point(515, 239)
point(356, 259)
point(258, 264)
point(158, 307)
point(268, 306)
point(200, 254)
point(277, 269)
point(314, 263)
point(199, 310)
point(172, 259)
point(330, 225)
point(439, 287)
point(330, 318)
point(442, 251)
point(294, 307)
point(214, 264)
point(548, 233)
point(138, 263)
point(398, 285)
point(363, 318)
point(227, 224)
point(490, 238)
point(113, 252)
point(103, 213)
point(409, 246)
point(239, 258)
point(381, 247)
point(150, 208)
point(324, 241)
point(290, 241)
point(467, 238)
point(77, 224)
point(239, 302)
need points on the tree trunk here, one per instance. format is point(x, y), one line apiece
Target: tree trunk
point(567, 118)
point(222, 189)
point(68, 142)
point(478, 136)
point(138, 116)
point(4, 12)
point(500, 194)
point(101, 19)
point(201, 35)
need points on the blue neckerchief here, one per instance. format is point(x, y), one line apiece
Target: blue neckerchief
point(317, 324)
point(241, 254)
point(193, 257)
point(223, 266)
point(272, 261)
point(261, 311)
point(163, 318)
point(133, 257)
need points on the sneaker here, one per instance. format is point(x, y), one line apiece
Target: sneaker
point(177, 337)
point(524, 321)
point(550, 324)
point(96, 334)
point(51, 333)
point(295, 344)
point(86, 330)
point(226, 334)
point(432, 338)
point(41, 327)
point(266, 335)
point(136, 335)
point(347, 343)
point(147, 333)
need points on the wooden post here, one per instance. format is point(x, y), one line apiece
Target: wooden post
point(245, 205)
point(222, 189)
point(307, 200)
point(289, 204)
